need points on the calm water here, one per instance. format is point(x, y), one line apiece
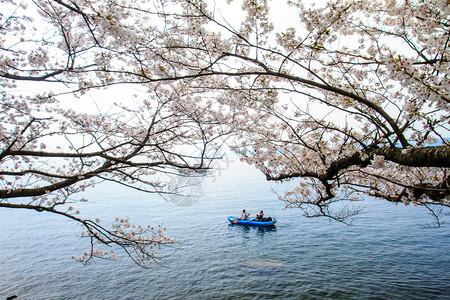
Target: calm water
point(387, 255)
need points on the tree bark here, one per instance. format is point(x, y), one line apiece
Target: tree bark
point(438, 156)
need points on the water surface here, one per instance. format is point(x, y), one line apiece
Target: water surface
point(387, 255)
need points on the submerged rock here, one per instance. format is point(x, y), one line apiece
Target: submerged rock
point(264, 263)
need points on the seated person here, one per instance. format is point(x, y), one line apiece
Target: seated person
point(244, 215)
point(260, 216)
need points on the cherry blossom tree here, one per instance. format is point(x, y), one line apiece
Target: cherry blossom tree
point(351, 98)
point(54, 56)
point(380, 74)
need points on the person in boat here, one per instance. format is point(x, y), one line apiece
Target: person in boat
point(244, 215)
point(260, 216)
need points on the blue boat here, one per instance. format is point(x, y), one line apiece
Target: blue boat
point(236, 220)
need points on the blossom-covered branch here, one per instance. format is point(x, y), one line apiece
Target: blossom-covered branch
point(137, 241)
point(354, 99)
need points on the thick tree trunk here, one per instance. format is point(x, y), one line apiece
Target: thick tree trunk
point(417, 157)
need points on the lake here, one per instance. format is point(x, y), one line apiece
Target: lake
point(388, 254)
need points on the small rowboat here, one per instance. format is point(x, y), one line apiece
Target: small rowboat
point(236, 220)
